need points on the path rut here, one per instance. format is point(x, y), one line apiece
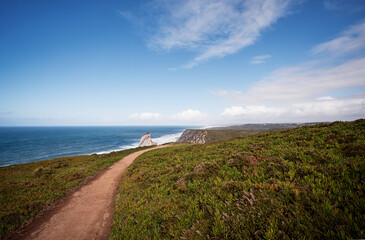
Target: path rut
point(86, 213)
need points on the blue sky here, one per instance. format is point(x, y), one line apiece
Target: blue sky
point(171, 62)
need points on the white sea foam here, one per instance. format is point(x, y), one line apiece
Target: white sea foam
point(160, 140)
point(104, 152)
point(167, 138)
point(5, 165)
point(133, 145)
point(120, 148)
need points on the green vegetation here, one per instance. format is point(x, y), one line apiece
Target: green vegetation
point(210, 136)
point(26, 189)
point(223, 135)
point(303, 183)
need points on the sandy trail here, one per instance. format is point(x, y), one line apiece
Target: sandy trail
point(88, 212)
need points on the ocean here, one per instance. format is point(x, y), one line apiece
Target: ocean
point(31, 144)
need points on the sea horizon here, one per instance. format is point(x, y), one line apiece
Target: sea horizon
point(24, 144)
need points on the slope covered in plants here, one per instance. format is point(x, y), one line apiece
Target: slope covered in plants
point(26, 189)
point(298, 183)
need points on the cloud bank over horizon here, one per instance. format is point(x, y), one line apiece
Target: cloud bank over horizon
point(310, 91)
point(188, 115)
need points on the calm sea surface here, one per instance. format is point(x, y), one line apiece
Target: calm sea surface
point(30, 144)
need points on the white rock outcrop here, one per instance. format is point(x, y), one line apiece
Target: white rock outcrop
point(146, 141)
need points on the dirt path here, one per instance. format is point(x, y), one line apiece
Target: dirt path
point(88, 212)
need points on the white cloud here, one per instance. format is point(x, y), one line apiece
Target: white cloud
point(350, 41)
point(306, 92)
point(233, 111)
point(188, 115)
point(214, 28)
point(298, 84)
point(260, 59)
point(252, 111)
point(325, 98)
point(146, 116)
point(349, 108)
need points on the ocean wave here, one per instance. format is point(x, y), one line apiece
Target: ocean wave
point(5, 165)
point(160, 140)
point(167, 138)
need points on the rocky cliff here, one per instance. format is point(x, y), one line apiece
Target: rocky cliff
point(193, 136)
point(146, 141)
point(201, 136)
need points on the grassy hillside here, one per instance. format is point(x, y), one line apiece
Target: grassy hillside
point(304, 183)
point(223, 135)
point(264, 126)
point(26, 189)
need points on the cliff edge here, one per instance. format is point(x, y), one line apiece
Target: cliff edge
point(193, 136)
point(202, 136)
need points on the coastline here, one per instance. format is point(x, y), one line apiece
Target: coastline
point(32, 144)
point(160, 140)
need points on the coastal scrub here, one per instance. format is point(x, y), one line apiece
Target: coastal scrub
point(303, 183)
point(26, 189)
